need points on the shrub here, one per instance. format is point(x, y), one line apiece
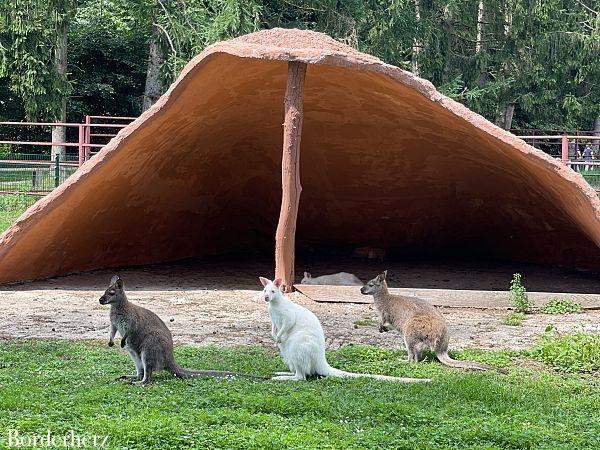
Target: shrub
point(517, 296)
point(514, 319)
point(561, 306)
point(577, 352)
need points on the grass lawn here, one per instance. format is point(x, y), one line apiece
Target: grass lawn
point(7, 217)
point(62, 386)
point(11, 207)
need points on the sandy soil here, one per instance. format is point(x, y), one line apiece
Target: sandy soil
point(218, 303)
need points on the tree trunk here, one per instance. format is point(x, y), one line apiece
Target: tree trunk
point(285, 238)
point(448, 26)
point(154, 85)
point(59, 134)
point(479, 43)
point(417, 43)
point(506, 120)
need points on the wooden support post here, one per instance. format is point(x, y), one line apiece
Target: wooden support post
point(564, 150)
point(285, 239)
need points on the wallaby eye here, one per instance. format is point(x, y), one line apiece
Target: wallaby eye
point(371, 283)
point(111, 292)
point(272, 291)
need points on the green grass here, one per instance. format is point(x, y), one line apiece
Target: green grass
point(61, 385)
point(11, 207)
point(514, 319)
point(366, 322)
point(577, 352)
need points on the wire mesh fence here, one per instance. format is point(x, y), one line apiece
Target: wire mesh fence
point(34, 174)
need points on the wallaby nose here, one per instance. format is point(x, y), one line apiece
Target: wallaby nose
point(266, 298)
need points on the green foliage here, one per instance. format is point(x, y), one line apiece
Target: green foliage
point(517, 296)
point(108, 58)
point(365, 323)
point(11, 207)
point(514, 319)
point(30, 35)
point(541, 57)
point(561, 306)
point(62, 385)
point(578, 352)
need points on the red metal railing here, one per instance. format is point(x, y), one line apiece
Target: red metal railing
point(38, 173)
point(84, 142)
point(564, 141)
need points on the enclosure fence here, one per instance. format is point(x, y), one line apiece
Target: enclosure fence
point(26, 170)
point(580, 151)
point(23, 170)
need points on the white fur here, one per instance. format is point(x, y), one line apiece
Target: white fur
point(301, 341)
point(336, 279)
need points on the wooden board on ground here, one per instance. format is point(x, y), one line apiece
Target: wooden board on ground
point(452, 298)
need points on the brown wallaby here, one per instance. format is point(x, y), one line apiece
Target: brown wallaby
point(147, 339)
point(421, 324)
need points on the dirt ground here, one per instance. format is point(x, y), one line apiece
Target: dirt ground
point(218, 303)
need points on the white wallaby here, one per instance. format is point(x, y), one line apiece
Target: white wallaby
point(336, 279)
point(301, 341)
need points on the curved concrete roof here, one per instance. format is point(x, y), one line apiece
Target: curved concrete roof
point(386, 160)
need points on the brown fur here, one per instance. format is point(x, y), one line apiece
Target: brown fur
point(147, 339)
point(421, 324)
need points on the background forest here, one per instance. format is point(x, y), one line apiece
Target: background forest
point(520, 63)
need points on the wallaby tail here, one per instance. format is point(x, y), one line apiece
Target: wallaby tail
point(446, 360)
point(180, 372)
point(343, 374)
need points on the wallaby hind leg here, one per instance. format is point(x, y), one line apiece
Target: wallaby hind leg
point(139, 368)
point(284, 373)
point(414, 348)
point(148, 369)
point(297, 377)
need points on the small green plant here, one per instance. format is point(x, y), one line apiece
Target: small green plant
point(365, 323)
point(561, 306)
point(517, 296)
point(577, 352)
point(514, 319)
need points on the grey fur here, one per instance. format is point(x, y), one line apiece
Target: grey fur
point(421, 324)
point(147, 339)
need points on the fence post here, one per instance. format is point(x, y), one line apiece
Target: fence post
point(80, 146)
point(564, 150)
point(56, 170)
point(88, 137)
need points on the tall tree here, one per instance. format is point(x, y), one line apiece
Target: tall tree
point(35, 64)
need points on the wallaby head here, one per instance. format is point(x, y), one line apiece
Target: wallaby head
point(115, 293)
point(271, 288)
point(375, 285)
point(307, 277)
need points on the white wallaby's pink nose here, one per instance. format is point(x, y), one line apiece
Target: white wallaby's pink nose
point(266, 298)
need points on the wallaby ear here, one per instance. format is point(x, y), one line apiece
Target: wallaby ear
point(119, 284)
point(114, 279)
point(264, 281)
point(384, 275)
point(307, 275)
point(278, 282)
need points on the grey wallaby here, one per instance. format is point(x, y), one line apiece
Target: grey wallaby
point(147, 339)
point(421, 324)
